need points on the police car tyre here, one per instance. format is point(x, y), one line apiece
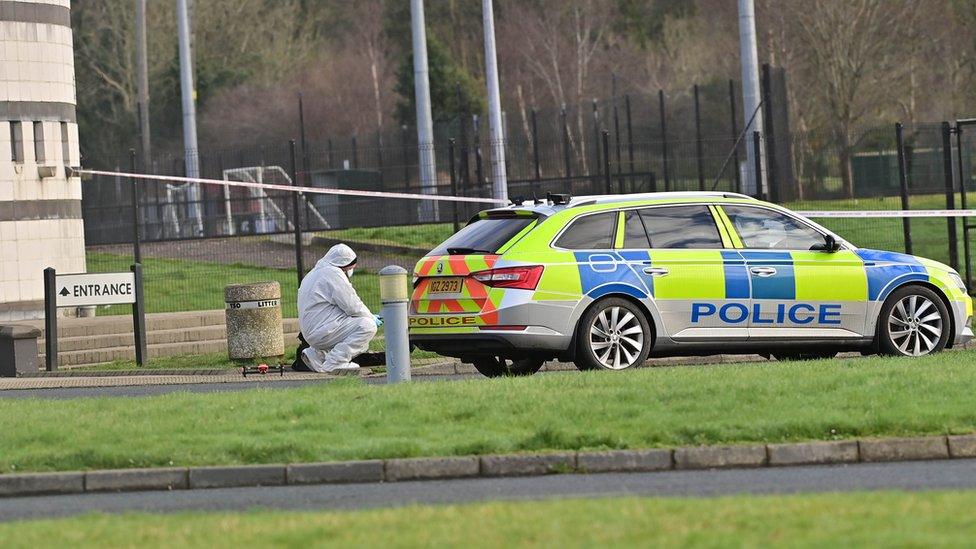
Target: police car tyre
point(913, 322)
point(613, 334)
point(494, 366)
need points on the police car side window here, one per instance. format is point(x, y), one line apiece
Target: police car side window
point(590, 232)
point(768, 229)
point(635, 237)
point(681, 227)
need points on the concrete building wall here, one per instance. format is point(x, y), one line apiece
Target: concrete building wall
point(40, 207)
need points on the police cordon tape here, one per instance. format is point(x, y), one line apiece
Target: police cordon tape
point(291, 188)
point(420, 196)
point(887, 213)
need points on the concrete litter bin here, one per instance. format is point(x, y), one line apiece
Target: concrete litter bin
point(253, 314)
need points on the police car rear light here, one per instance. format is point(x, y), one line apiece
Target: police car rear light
point(521, 278)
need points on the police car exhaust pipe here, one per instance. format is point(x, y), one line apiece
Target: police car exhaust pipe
point(394, 297)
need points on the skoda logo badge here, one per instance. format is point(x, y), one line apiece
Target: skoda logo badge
point(440, 267)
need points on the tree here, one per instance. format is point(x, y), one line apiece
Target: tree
point(444, 74)
point(850, 53)
point(558, 44)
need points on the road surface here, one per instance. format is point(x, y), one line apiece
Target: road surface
point(919, 475)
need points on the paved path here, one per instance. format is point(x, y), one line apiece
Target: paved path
point(195, 386)
point(919, 475)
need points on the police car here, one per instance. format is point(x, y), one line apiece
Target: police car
point(607, 281)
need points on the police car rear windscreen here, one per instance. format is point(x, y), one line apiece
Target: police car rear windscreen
point(484, 236)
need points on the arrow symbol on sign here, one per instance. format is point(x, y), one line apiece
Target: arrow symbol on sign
point(64, 292)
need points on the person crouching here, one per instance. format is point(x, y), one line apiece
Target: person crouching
point(333, 320)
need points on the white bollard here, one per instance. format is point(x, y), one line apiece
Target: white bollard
point(395, 297)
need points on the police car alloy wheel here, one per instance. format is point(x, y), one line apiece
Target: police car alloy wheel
point(495, 366)
point(913, 322)
point(614, 335)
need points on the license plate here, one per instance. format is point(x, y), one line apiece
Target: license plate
point(445, 285)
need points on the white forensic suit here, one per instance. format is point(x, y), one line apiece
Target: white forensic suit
point(333, 319)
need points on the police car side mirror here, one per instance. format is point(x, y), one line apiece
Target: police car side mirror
point(830, 244)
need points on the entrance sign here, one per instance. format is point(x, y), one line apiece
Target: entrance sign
point(78, 290)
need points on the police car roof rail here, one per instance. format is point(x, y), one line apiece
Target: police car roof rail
point(611, 198)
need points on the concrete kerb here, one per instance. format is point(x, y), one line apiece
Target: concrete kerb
point(508, 465)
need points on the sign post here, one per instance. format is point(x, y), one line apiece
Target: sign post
point(79, 290)
point(50, 320)
point(139, 316)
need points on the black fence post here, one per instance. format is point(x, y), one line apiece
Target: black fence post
point(50, 319)
point(403, 157)
point(567, 160)
point(297, 215)
point(301, 118)
point(757, 148)
point(698, 142)
point(906, 223)
point(950, 194)
point(616, 126)
point(379, 156)
point(535, 149)
point(606, 162)
point(963, 203)
point(465, 176)
point(596, 137)
point(136, 236)
point(735, 137)
point(664, 141)
point(355, 153)
point(772, 182)
point(139, 317)
point(479, 162)
point(630, 139)
point(454, 184)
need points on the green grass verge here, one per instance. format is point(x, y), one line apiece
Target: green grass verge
point(858, 519)
point(416, 236)
point(187, 285)
point(347, 419)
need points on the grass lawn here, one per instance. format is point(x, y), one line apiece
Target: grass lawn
point(186, 285)
point(347, 419)
point(919, 519)
point(417, 236)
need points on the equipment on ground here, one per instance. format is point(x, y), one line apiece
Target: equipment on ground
point(263, 369)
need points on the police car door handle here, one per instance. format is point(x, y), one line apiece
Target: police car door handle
point(763, 271)
point(655, 271)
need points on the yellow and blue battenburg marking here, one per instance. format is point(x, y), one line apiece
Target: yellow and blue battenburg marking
point(603, 273)
point(815, 281)
point(883, 268)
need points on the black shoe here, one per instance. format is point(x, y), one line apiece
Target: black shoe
point(299, 364)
